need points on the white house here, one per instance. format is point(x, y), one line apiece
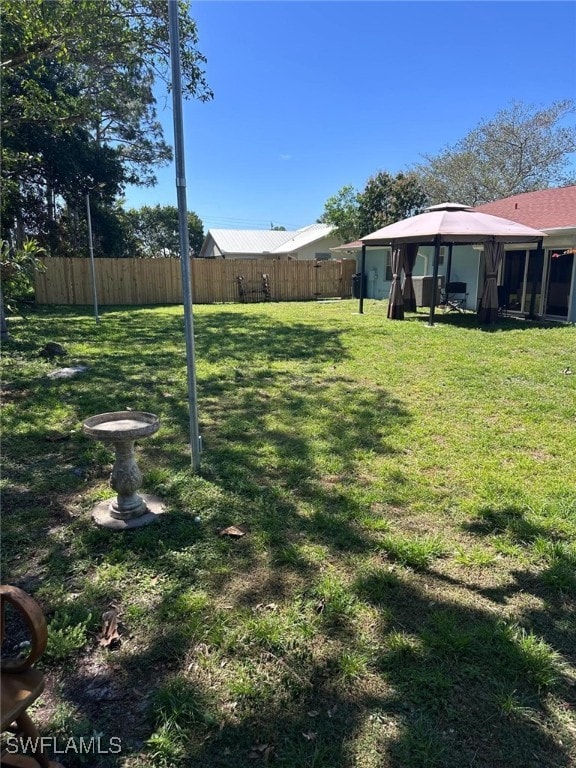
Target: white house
point(540, 285)
point(308, 243)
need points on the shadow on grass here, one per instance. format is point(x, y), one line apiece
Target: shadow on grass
point(441, 684)
point(221, 333)
point(461, 671)
point(469, 321)
point(446, 687)
point(554, 583)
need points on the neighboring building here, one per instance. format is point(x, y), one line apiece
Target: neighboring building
point(308, 243)
point(543, 286)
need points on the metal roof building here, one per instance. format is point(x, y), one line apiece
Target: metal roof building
point(267, 243)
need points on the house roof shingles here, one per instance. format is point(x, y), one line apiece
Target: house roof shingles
point(544, 209)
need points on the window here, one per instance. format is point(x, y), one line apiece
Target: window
point(322, 256)
point(388, 275)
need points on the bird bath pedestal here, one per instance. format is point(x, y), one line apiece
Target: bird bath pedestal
point(128, 509)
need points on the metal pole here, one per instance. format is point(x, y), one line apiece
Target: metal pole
point(449, 266)
point(362, 273)
point(195, 439)
point(434, 279)
point(92, 264)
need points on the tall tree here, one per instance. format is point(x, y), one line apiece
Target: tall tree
point(156, 233)
point(113, 49)
point(521, 149)
point(81, 72)
point(51, 173)
point(387, 199)
point(341, 211)
point(384, 200)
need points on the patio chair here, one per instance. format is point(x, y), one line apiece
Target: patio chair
point(254, 291)
point(502, 300)
point(454, 297)
point(20, 685)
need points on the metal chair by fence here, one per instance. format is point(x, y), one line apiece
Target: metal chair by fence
point(259, 291)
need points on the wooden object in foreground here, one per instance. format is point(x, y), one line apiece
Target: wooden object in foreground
point(20, 685)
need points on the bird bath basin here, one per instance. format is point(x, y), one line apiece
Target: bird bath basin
point(122, 429)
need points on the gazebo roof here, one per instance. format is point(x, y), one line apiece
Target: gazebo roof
point(453, 223)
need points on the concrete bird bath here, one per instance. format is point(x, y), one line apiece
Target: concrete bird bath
point(128, 509)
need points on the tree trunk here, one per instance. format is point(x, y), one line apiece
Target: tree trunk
point(20, 233)
point(4, 333)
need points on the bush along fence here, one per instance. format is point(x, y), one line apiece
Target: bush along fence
point(159, 281)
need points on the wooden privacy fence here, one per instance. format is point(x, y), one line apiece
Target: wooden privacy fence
point(159, 281)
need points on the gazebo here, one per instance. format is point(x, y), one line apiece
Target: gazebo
point(448, 224)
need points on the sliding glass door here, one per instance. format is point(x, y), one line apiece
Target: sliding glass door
point(522, 281)
point(534, 285)
point(560, 269)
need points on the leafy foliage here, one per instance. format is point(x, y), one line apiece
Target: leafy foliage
point(113, 51)
point(385, 199)
point(17, 268)
point(156, 231)
point(521, 149)
point(78, 110)
point(341, 210)
point(67, 634)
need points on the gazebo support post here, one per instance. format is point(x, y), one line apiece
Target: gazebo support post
point(536, 270)
point(434, 279)
point(449, 264)
point(362, 273)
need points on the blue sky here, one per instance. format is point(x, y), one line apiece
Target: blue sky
point(310, 96)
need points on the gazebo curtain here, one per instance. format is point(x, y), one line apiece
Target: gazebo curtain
point(488, 309)
point(396, 300)
point(410, 253)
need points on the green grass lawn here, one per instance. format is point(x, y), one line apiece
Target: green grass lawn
point(405, 593)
